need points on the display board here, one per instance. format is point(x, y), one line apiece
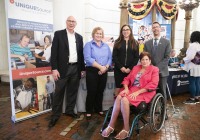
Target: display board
point(30, 33)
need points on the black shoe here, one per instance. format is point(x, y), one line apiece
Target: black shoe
point(73, 115)
point(52, 122)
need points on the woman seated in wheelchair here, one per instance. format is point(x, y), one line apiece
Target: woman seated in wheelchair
point(136, 86)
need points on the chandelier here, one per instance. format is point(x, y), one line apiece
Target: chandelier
point(188, 5)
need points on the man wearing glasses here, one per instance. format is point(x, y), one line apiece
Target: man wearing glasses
point(160, 49)
point(67, 65)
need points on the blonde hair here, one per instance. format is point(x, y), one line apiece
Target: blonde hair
point(95, 30)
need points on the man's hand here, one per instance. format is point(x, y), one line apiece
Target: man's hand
point(56, 75)
point(22, 58)
point(83, 74)
point(26, 56)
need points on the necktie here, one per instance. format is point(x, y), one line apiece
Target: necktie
point(155, 45)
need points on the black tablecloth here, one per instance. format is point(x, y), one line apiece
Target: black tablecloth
point(178, 82)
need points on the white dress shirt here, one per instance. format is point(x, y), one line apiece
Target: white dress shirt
point(72, 47)
point(47, 54)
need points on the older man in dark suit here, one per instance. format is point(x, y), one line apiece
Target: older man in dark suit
point(160, 49)
point(67, 65)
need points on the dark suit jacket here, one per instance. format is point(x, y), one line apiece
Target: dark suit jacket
point(60, 52)
point(120, 55)
point(161, 57)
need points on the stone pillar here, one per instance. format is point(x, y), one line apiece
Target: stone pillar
point(154, 14)
point(188, 16)
point(188, 6)
point(173, 25)
point(124, 12)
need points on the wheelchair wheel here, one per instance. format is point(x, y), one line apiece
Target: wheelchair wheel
point(107, 119)
point(157, 112)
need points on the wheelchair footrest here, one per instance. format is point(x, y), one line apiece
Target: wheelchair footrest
point(143, 126)
point(145, 123)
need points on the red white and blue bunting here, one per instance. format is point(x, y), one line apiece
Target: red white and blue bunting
point(142, 9)
point(168, 11)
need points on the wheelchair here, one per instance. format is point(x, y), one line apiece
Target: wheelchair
point(153, 114)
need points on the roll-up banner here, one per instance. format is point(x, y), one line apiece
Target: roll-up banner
point(30, 33)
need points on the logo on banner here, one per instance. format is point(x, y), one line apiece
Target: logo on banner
point(29, 7)
point(181, 83)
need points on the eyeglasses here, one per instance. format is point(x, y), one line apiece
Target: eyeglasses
point(72, 21)
point(126, 30)
point(156, 27)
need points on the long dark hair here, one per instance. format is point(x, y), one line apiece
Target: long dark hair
point(195, 37)
point(132, 40)
point(49, 37)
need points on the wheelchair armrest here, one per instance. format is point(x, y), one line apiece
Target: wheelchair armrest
point(150, 90)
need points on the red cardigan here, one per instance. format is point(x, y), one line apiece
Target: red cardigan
point(148, 80)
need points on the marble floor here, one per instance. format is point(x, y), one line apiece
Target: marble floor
point(184, 124)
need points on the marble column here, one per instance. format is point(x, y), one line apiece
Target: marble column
point(154, 14)
point(173, 25)
point(123, 5)
point(188, 6)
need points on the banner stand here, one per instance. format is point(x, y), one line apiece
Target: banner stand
point(29, 38)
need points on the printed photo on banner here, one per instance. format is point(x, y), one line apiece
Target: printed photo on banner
point(30, 49)
point(43, 45)
point(25, 97)
point(45, 91)
point(30, 31)
point(142, 28)
point(22, 49)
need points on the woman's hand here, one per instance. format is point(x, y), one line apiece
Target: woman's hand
point(103, 69)
point(125, 91)
point(134, 95)
point(43, 58)
point(123, 69)
point(127, 70)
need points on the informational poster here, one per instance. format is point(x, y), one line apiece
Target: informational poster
point(142, 29)
point(30, 34)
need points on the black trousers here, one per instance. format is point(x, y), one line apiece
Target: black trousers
point(49, 100)
point(70, 84)
point(95, 84)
